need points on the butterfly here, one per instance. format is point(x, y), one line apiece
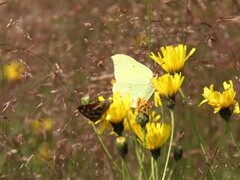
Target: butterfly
point(132, 77)
point(94, 111)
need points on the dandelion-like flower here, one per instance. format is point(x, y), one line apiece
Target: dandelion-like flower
point(167, 85)
point(14, 70)
point(118, 111)
point(222, 102)
point(42, 126)
point(172, 58)
point(44, 152)
point(156, 135)
point(119, 108)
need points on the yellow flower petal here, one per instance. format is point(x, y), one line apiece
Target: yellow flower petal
point(14, 70)
point(119, 108)
point(173, 58)
point(157, 134)
point(168, 85)
point(220, 100)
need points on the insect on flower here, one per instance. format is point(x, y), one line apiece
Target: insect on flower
point(132, 77)
point(94, 111)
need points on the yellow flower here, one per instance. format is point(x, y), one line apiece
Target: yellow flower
point(172, 59)
point(36, 126)
point(156, 134)
point(47, 124)
point(220, 101)
point(167, 85)
point(119, 108)
point(14, 70)
point(44, 152)
point(42, 126)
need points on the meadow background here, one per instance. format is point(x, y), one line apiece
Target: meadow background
point(42, 136)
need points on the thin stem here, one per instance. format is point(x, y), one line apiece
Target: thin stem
point(218, 146)
point(149, 25)
point(202, 148)
point(199, 138)
point(230, 132)
point(128, 175)
point(152, 169)
point(123, 169)
point(125, 173)
point(172, 170)
point(108, 155)
point(182, 94)
point(140, 155)
point(170, 144)
point(156, 168)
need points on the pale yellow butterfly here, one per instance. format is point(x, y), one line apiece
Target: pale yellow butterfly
point(132, 77)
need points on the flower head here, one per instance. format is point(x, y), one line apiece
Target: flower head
point(118, 111)
point(167, 85)
point(44, 152)
point(221, 101)
point(119, 108)
point(172, 58)
point(43, 125)
point(156, 134)
point(14, 70)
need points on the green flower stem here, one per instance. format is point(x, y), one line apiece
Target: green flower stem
point(233, 139)
point(156, 168)
point(202, 148)
point(123, 169)
point(142, 160)
point(152, 169)
point(218, 146)
point(140, 156)
point(149, 25)
point(182, 94)
point(172, 170)
point(108, 155)
point(170, 144)
point(125, 173)
point(198, 136)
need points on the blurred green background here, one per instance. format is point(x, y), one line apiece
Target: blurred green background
point(42, 136)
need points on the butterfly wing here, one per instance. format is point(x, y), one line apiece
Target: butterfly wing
point(133, 77)
point(128, 70)
point(94, 111)
point(136, 91)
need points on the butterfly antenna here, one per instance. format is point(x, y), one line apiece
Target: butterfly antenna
point(45, 62)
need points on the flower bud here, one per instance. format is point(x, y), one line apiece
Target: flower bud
point(178, 153)
point(143, 112)
point(122, 146)
point(142, 119)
